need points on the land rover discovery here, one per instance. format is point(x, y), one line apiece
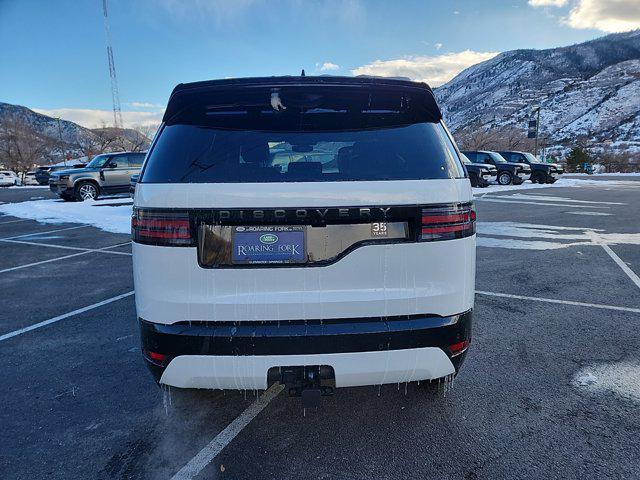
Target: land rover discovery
point(313, 231)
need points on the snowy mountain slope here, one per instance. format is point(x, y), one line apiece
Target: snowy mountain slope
point(47, 126)
point(587, 90)
point(76, 139)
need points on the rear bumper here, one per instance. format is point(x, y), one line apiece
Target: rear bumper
point(364, 351)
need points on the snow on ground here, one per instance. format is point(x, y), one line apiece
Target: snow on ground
point(596, 175)
point(620, 378)
point(26, 187)
point(114, 215)
point(111, 215)
point(561, 182)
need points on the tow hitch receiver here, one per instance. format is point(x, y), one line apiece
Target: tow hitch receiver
point(308, 382)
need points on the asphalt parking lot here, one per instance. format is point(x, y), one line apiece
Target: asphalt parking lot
point(558, 294)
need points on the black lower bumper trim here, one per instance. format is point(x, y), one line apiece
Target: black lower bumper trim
point(305, 337)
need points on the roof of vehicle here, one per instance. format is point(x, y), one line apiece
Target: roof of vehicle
point(122, 153)
point(182, 92)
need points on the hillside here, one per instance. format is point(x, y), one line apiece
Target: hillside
point(76, 140)
point(589, 91)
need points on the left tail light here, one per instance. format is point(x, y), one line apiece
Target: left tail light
point(165, 228)
point(448, 222)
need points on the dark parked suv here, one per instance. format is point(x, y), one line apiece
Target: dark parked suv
point(42, 173)
point(109, 173)
point(508, 173)
point(541, 172)
point(480, 174)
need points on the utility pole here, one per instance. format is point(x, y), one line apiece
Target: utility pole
point(537, 128)
point(64, 155)
point(534, 126)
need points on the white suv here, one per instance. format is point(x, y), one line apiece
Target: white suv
point(314, 231)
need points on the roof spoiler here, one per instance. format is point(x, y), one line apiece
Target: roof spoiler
point(253, 91)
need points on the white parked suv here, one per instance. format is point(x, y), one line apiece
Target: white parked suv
point(314, 231)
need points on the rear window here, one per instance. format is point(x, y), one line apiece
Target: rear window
point(310, 134)
point(197, 154)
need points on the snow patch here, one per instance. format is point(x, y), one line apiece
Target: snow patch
point(115, 219)
point(619, 378)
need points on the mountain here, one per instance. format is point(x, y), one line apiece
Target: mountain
point(69, 138)
point(44, 125)
point(589, 91)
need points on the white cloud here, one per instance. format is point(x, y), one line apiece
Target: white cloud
point(91, 118)
point(144, 105)
point(605, 15)
point(326, 66)
point(433, 70)
point(437, 45)
point(547, 3)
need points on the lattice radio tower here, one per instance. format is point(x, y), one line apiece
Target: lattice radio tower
point(117, 113)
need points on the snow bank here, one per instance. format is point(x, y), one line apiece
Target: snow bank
point(602, 174)
point(111, 215)
point(587, 180)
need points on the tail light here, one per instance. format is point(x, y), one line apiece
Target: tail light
point(448, 222)
point(459, 347)
point(156, 358)
point(166, 228)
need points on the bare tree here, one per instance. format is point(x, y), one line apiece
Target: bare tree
point(615, 161)
point(476, 137)
point(22, 147)
point(141, 137)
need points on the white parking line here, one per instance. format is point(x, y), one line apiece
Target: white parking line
point(595, 238)
point(66, 247)
point(14, 221)
point(19, 267)
point(625, 268)
point(527, 202)
point(220, 441)
point(563, 302)
point(43, 233)
point(44, 323)
point(83, 251)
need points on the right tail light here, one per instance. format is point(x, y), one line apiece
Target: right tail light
point(448, 222)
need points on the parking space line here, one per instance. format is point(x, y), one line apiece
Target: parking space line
point(19, 267)
point(83, 251)
point(563, 302)
point(44, 323)
point(44, 233)
point(625, 268)
point(66, 247)
point(546, 204)
point(14, 221)
point(595, 238)
point(220, 441)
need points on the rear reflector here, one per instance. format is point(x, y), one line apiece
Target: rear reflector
point(167, 228)
point(458, 348)
point(448, 222)
point(155, 357)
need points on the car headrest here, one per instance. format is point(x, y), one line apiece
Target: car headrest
point(256, 153)
point(305, 169)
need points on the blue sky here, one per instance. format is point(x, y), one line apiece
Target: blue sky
point(54, 58)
